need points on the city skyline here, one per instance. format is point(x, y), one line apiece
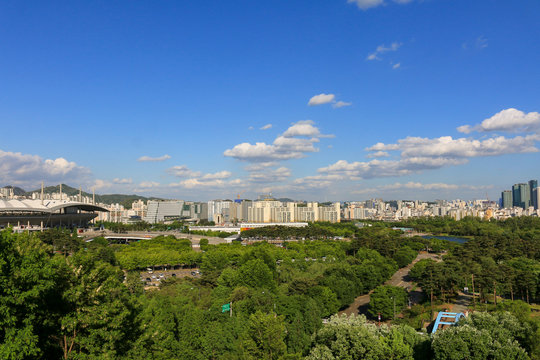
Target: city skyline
point(336, 101)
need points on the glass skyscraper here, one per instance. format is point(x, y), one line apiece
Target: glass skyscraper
point(521, 194)
point(506, 197)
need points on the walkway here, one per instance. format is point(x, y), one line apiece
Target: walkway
point(400, 278)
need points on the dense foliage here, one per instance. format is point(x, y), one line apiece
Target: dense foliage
point(64, 298)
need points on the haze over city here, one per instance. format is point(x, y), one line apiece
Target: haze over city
point(327, 101)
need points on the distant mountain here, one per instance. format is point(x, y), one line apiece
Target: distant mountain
point(16, 190)
point(122, 199)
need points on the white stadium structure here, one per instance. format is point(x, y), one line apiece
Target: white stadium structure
point(46, 213)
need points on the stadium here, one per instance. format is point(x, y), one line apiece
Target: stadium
point(39, 214)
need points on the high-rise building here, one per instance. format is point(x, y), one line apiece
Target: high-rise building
point(536, 198)
point(521, 194)
point(161, 210)
point(533, 184)
point(507, 199)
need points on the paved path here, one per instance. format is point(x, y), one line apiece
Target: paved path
point(400, 278)
point(462, 302)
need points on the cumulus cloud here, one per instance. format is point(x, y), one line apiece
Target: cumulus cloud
point(155, 159)
point(508, 120)
point(298, 140)
point(417, 154)
point(182, 171)
point(302, 128)
point(321, 99)
point(446, 146)
point(381, 49)
point(327, 99)
point(266, 127)
point(26, 170)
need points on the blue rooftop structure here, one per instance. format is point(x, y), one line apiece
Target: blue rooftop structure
point(446, 318)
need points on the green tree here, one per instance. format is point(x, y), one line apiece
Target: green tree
point(482, 336)
point(28, 298)
point(98, 319)
point(352, 338)
point(265, 336)
point(385, 299)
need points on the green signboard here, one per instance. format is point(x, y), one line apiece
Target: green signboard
point(226, 307)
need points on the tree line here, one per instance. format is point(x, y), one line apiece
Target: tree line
point(64, 298)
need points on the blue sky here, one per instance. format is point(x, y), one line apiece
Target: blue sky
point(317, 100)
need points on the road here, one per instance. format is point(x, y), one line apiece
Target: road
point(400, 278)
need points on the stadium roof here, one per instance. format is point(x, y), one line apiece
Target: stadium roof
point(48, 206)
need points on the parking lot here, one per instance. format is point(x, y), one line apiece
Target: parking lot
point(154, 277)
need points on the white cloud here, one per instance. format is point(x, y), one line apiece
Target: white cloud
point(292, 144)
point(327, 99)
point(148, 184)
point(260, 166)
point(381, 49)
point(420, 187)
point(378, 154)
point(218, 175)
point(481, 42)
point(182, 171)
point(270, 175)
point(321, 99)
point(196, 183)
point(302, 128)
point(101, 184)
point(315, 181)
point(417, 154)
point(341, 104)
point(366, 4)
point(156, 159)
point(125, 181)
point(396, 66)
point(207, 184)
point(266, 127)
point(29, 170)
point(446, 146)
point(508, 120)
